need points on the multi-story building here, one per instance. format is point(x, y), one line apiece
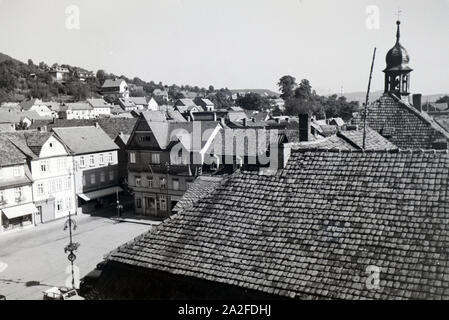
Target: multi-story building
point(100, 107)
point(95, 162)
point(16, 200)
point(79, 110)
point(51, 168)
point(117, 88)
point(157, 178)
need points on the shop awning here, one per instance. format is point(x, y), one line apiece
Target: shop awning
point(20, 211)
point(99, 193)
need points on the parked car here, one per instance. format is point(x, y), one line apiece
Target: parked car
point(61, 293)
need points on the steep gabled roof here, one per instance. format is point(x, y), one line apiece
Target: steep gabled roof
point(82, 140)
point(11, 155)
point(404, 125)
point(319, 230)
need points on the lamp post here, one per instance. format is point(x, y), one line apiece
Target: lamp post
point(72, 246)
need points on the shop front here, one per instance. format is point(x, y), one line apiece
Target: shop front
point(18, 217)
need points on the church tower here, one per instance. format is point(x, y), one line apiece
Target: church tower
point(397, 73)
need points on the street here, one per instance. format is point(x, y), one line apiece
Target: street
point(33, 260)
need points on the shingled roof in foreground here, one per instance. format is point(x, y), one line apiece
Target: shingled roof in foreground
point(316, 229)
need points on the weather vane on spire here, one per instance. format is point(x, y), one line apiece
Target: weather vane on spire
point(399, 13)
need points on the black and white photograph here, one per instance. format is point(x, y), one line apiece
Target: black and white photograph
point(213, 151)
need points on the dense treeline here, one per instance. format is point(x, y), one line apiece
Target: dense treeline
point(301, 98)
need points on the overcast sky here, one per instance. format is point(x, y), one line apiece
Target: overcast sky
point(234, 43)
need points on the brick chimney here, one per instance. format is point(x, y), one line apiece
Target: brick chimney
point(417, 101)
point(304, 127)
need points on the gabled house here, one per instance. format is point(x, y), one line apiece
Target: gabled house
point(204, 103)
point(95, 162)
point(59, 73)
point(117, 88)
point(36, 105)
point(153, 105)
point(79, 110)
point(162, 94)
point(16, 198)
point(164, 157)
point(140, 102)
point(127, 104)
point(100, 107)
point(51, 166)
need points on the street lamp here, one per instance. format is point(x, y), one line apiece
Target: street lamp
point(72, 246)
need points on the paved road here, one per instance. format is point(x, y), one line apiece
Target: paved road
point(31, 261)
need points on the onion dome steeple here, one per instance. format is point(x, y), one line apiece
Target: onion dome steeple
point(397, 71)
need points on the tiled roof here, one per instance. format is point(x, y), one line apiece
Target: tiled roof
point(403, 125)
point(373, 140)
point(139, 100)
point(82, 140)
point(316, 230)
point(112, 126)
point(11, 155)
point(29, 142)
point(98, 103)
point(112, 83)
point(79, 106)
point(202, 186)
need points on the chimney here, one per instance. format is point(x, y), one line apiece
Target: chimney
point(189, 119)
point(304, 127)
point(244, 122)
point(223, 121)
point(417, 101)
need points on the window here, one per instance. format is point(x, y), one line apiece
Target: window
point(101, 159)
point(110, 158)
point(150, 181)
point(111, 175)
point(18, 193)
point(155, 158)
point(92, 160)
point(175, 184)
point(59, 205)
point(82, 162)
point(163, 183)
point(2, 196)
point(68, 183)
point(132, 157)
point(40, 189)
point(58, 185)
point(139, 203)
point(44, 166)
point(102, 177)
point(138, 182)
point(92, 179)
point(16, 171)
point(61, 164)
point(163, 201)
